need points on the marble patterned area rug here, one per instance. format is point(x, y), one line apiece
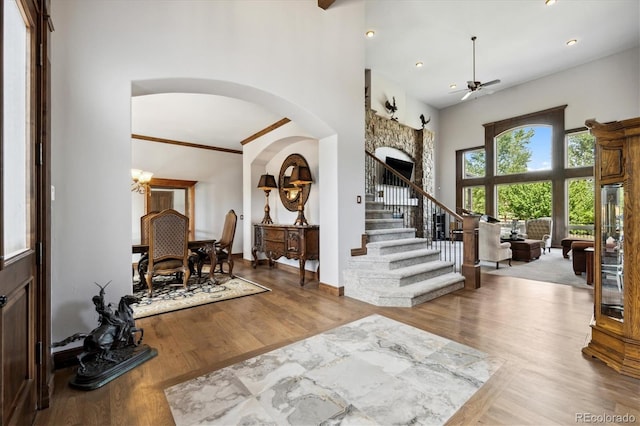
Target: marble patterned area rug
point(374, 371)
point(169, 295)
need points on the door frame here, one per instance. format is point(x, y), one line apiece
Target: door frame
point(39, 113)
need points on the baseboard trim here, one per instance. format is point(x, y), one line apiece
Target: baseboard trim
point(329, 289)
point(308, 275)
point(66, 358)
point(362, 250)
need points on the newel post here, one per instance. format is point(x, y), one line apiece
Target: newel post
point(470, 261)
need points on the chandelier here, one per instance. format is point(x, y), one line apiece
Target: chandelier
point(141, 181)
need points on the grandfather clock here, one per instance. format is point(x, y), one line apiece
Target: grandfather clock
point(615, 329)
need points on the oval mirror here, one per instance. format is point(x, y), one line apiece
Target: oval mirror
point(290, 193)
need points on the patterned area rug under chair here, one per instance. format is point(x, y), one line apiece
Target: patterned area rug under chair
point(170, 295)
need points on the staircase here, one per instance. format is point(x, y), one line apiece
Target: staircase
point(399, 269)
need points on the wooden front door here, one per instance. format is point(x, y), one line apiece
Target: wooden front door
point(24, 186)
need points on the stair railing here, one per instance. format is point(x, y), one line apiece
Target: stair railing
point(444, 229)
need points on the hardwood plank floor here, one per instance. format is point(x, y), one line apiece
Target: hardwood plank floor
point(537, 328)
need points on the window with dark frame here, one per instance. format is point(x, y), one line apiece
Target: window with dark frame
point(570, 159)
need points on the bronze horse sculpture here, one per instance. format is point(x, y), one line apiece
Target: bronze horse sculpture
point(115, 330)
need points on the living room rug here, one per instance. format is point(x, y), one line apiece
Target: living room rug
point(550, 267)
point(373, 371)
point(169, 294)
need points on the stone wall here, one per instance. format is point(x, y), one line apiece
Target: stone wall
point(417, 143)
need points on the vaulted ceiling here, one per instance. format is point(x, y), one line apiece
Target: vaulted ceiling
point(517, 41)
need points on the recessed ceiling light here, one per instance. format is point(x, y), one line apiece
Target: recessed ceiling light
point(370, 33)
point(572, 42)
point(419, 64)
point(549, 2)
point(452, 86)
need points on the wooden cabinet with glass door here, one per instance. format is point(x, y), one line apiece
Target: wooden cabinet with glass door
point(615, 329)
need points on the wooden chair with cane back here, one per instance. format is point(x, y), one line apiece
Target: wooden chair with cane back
point(168, 246)
point(223, 246)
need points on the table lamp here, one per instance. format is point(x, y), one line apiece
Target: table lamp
point(300, 176)
point(267, 183)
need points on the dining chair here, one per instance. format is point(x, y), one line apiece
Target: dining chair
point(168, 246)
point(144, 240)
point(223, 246)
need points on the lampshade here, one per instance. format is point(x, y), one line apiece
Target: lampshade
point(301, 175)
point(267, 182)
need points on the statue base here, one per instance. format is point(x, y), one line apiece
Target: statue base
point(98, 372)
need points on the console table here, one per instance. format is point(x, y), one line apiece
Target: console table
point(291, 241)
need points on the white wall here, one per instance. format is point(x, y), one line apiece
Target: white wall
point(409, 108)
point(308, 148)
point(219, 187)
point(607, 89)
point(290, 56)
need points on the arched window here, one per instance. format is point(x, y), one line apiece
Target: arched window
point(530, 167)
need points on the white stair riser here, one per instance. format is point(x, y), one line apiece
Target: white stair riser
point(402, 301)
point(378, 214)
point(371, 224)
point(401, 234)
point(411, 245)
point(365, 263)
point(374, 205)
point(380, 279)
point(414, 301)
point(377, 279)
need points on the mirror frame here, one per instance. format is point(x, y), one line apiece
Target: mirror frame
point(292, 204)
point(190, 205)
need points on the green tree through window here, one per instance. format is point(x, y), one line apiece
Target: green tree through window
point(513, 153)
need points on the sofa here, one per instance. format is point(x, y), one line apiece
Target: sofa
point(490, 248)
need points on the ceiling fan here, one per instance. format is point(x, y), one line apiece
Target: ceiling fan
point(474, 85)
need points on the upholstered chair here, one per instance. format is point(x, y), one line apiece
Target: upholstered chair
point(541, 230)
point(223, 246)
point(144, 239)
point(168, 246)
point(490, 248)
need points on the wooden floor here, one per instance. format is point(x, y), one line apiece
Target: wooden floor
point(537, 328)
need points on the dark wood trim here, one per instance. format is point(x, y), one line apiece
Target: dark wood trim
point(329, 289)
point(325, 4)
point(185, 144)
point(66, 358)
point(509, 123)
point(362, 250)
point(188, 185)
point(172, 183)
point(265, 131)
point(44, 376)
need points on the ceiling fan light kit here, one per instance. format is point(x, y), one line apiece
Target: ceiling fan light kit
point(475, 85)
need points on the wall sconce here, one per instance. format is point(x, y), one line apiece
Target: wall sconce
point(300, 176)
point(141, 181)
point(267, 183)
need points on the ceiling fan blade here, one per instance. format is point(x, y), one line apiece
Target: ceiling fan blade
point(489, 83)
point(466, 95)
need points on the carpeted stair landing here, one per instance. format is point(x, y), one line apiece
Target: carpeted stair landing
point(399, 269)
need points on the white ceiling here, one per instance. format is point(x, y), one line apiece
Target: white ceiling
point(517, 41)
